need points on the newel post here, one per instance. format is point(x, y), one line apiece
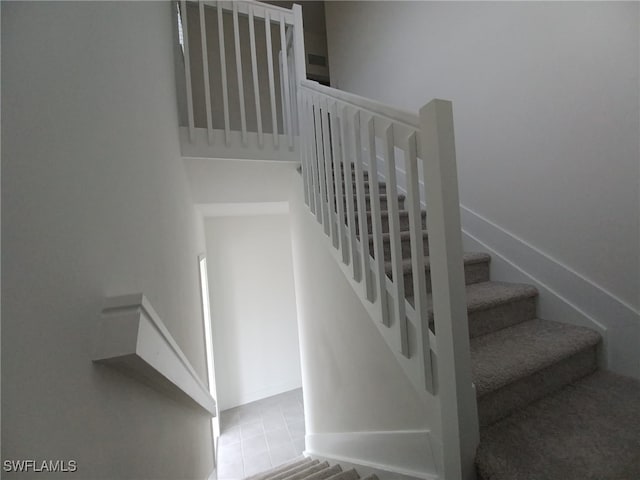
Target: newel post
point(460, 434)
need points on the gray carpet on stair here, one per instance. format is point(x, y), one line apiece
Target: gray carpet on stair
point(309, 469)
point(509, 354)
point(590, 430)
point(518, 365)
point(297, 462)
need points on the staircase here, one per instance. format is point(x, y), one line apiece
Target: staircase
point(308, 469)
point(545, 410)
point(513, 396)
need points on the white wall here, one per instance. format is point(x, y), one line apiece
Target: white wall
point(351, 380)
point(546, 110)
point(215, 181)
point(253, 307)
point(94, 203)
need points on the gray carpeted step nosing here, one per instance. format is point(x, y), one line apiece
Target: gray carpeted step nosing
point(485, 295)
point(292, 471)
point(304, 474)
point(346, 475)
point(515, 352)
point(326, 473)
point(281, 468)
point(468, 258)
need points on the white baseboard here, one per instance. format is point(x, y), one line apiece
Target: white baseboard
point(565, 295)
point(402, 455)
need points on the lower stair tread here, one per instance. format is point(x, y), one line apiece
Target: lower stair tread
point(303, 468)
point(468, 258)
point(588, 430)
point(292, 466)
point(513, 353)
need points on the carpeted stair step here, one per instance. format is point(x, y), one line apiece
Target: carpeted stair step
point(492, 306)
point(307, 472)
point(325, 473)
point(405, 243)
point(476, 269)
point(365, 174)
point(382, 187)
point(292, 465)
point(293, 471)
point(403, 216)
point(384, 202)
point(370, 477)
point(346, 475)
point(588, 430)
point(523, 363)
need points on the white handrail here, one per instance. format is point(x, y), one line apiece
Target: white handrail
point(259, 8)
point(366, 105)
point(205, 70)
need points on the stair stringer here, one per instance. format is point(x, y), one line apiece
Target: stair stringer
point(412, 366)
point(373, 453)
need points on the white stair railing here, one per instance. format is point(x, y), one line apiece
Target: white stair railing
point(345, 137)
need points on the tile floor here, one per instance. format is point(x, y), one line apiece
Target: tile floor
point(260, 435)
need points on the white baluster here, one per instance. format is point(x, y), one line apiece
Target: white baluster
point(223, 75)
point(285, 81)
point(236, 37)
point(322, 178)
point(362, 208)
point(417, 258)
point(338, 172)
point(376, 223)
point(205, 70)
point(394, 234)
point(307, 126)
point(272, 88)
point(254, 70)
point(347, 167)
point(187, 69)
point(330, 173)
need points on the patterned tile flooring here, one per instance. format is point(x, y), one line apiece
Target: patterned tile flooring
point(260, 435)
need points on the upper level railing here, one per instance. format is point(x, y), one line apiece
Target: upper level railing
point(240, 74)
point(350, 149)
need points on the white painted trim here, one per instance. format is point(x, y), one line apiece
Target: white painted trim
point(235, 149)
point(242, 209)
point(131, 337)
point(566, 296)
point(405, 454)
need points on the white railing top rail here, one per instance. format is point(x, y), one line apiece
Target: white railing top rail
point(396, 115)
point(244, 6)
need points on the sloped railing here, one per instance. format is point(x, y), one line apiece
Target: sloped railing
point(345, 138)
